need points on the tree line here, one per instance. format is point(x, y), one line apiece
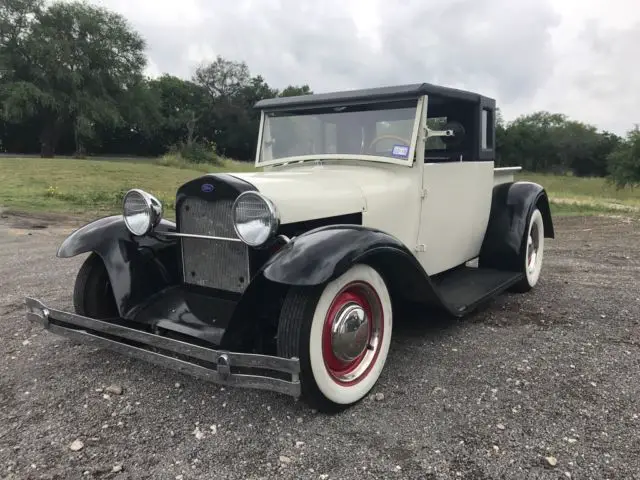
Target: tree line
point(72, 83)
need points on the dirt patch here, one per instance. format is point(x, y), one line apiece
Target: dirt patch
point(39, 221)
point(19, 224)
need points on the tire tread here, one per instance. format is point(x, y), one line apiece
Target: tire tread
point(294, 329)
point(87, 301)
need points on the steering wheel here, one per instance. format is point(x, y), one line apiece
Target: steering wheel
point(388, 137)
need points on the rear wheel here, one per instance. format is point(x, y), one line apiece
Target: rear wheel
point(532, 253)
point(92, 294)
point(341, 334)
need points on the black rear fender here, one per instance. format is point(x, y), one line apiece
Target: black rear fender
point(137, 266)
point(511, 209)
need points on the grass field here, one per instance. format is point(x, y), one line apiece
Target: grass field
point(92, 187)
point(583, 196)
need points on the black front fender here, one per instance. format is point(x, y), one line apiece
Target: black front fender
point(511, 208)
point(320, 255)
point(137, 266)
point(325, 253)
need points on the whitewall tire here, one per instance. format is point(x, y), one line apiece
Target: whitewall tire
point(341, 333)
point(532, 253)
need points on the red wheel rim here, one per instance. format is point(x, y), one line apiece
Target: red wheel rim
point(355, 304)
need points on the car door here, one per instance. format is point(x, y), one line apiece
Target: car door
point(455, 210)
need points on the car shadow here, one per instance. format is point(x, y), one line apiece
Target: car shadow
point(411, 320)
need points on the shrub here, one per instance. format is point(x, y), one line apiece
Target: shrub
point(624, 161)
point(197, 152)
point(194, 155)
point(173, 159)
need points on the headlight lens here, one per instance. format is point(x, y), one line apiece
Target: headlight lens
point(141, 211)
point(255, 218)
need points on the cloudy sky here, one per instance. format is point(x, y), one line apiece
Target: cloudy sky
point(579, 57)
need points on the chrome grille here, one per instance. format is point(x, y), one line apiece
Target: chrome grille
point(220, 264)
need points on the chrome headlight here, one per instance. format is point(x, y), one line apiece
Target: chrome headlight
point(141, 211)
point(255, 218)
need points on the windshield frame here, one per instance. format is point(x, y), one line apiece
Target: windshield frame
point(408, 161)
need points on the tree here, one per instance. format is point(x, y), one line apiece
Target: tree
point(140, 130)
point(293, 90)
point(529, 141)
point(70, 65)
point(577, 144)
point(237, 122)
point(600, 146)
point(186, 109)
point(223, 78)
point(551, 142)
point(233, 93)
point(17, 19)
point(624, 161)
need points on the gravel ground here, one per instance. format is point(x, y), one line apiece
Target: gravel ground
point(550, 377)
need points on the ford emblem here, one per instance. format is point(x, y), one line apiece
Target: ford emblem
point(207, 188)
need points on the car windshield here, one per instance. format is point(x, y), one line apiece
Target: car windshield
point(379, 130)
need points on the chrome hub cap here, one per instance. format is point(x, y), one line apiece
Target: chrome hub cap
point(350, 333)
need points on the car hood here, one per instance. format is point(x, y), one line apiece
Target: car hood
point(308, 194)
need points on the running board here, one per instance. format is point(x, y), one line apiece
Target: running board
point(463, 289)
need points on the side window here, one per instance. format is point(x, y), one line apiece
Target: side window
point(435, 143)
point(487, 129)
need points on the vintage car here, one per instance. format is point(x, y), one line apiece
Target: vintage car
point(287, 279)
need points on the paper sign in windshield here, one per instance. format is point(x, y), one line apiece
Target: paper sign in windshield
point(400, 151)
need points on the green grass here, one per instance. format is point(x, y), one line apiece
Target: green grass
point(93, 187)
point(570, 195)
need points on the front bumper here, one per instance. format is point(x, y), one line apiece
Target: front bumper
point(259, 371)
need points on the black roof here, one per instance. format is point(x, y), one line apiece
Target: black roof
point(398, 92)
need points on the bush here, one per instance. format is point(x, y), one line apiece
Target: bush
point(175, 160)
point(197, 152)
point(624, 161)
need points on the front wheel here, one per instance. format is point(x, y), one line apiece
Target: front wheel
point(92, 294)
point(532, 253)
point(341, 333)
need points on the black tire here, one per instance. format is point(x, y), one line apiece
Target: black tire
point(92, 293)
point(303, 321)
point(535, 229)
point(294, 326)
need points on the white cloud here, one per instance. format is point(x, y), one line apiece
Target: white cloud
point(158, 13)
point(571, 56)
point(597, 77)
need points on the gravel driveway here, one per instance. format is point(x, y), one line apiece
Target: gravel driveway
point(542, 385)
